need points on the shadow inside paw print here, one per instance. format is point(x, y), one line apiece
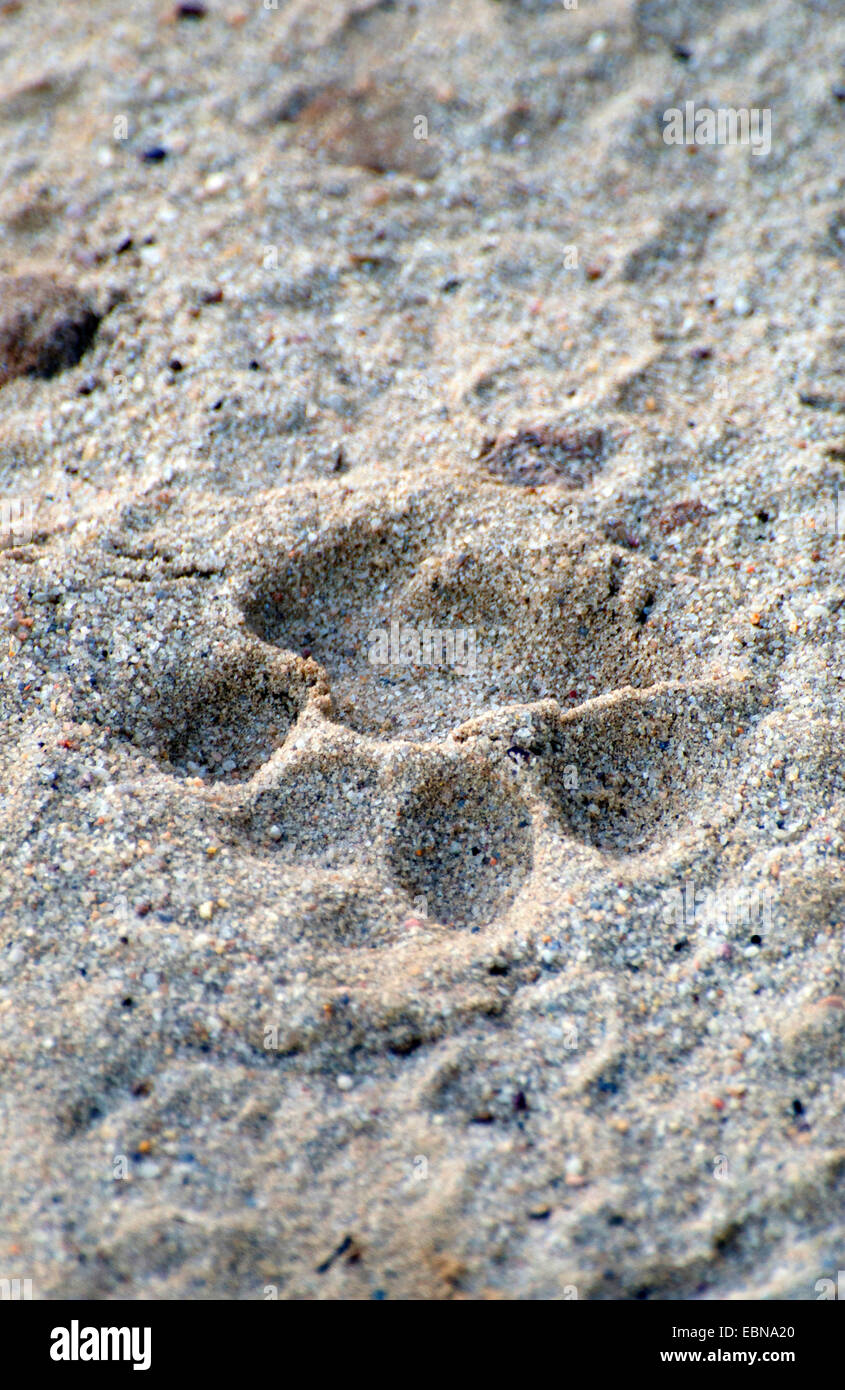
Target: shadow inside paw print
point(219, 719)
point(426, 616)
point(629, 773)
point(461, 844)
point(318, 812)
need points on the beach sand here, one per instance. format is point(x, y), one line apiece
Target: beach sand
point(422, 607)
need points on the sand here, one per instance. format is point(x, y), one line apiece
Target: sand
point(422, 651)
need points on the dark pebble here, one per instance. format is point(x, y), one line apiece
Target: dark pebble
point(154, 155)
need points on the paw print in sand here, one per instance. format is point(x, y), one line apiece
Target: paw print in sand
point(375, 672)
point(422, 618)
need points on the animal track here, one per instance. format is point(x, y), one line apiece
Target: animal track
point(313, 812)
point(418, 633)
point(218, 716)
point(461, 841)
point(263, 701)
point(634, 785)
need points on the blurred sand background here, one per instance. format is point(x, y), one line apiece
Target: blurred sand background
point(360, 981)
